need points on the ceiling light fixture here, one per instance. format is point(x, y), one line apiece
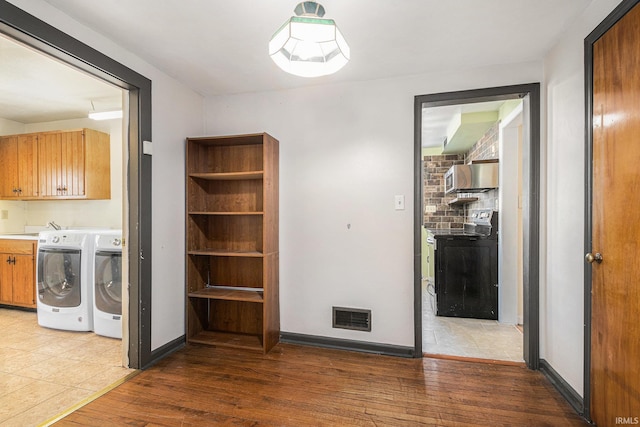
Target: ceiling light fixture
point(105, 115)
point(307, 45)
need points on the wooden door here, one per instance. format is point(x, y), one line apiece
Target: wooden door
point(23, 280)
point(615, 322)
point(8, 166)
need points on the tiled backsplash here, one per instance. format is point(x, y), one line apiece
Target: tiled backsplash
point(453, 216)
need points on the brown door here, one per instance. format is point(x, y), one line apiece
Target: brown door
point(615, 322)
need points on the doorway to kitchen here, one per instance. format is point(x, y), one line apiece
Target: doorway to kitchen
point(519, 121)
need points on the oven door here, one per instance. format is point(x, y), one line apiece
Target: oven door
point(59, 277)
point(108, 282)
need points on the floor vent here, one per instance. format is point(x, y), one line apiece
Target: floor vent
point(352, 318)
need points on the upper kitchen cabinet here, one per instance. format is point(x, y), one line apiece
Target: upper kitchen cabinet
point(74, 165)
point(71, 164)
point(19, 167)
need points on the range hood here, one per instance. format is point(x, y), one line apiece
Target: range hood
point(476, 177)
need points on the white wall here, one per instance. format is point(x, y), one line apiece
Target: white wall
point(177, 113)
point(345, 151)
point(562, 293)
point(509, 278)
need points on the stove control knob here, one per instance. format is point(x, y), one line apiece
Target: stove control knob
point(590, 258)
point(117, 242)
point(55, 239)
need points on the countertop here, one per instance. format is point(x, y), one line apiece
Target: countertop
point(20, 236)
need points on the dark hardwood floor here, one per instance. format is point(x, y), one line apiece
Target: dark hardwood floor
point(301, 386)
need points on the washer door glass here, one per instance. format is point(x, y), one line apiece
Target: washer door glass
point(108, 282)
point(59, 279)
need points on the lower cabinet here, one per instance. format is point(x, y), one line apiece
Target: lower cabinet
point(466, 277)
point(18, 272)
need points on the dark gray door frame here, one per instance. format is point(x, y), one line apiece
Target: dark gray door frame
point(33, 32)
point(530, 93)
point(589, 41)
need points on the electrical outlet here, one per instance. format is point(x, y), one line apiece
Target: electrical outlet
point(430, 208)
point(4, 214)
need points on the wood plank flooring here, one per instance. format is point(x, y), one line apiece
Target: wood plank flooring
point(300, 386)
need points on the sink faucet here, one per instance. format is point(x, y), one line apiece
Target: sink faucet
point(53, 225)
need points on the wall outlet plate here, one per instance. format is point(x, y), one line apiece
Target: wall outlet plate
point(4, 214)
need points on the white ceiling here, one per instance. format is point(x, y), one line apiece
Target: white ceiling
point(220, 46)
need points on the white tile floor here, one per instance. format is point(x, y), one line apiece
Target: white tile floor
point(477, 338)
point(43, 372)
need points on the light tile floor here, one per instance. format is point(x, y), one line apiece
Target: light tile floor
point(477, 338)
point(43, 372)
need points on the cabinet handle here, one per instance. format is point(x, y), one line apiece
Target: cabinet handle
point(8, 260)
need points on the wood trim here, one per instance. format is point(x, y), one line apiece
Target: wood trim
point(349, 345)
point(473, 359)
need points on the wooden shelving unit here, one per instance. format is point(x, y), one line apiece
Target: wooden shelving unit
point(232, 241)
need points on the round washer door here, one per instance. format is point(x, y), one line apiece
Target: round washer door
point(59, 277)
point(108, 282)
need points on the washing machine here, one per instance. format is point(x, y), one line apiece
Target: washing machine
point(107, 284)
point(63, 280)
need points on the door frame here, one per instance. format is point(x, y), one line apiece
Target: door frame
point(589, 41)
point(530, 93)
point(29, 30)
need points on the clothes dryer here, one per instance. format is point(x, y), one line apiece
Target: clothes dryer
point(107, 284)
point(63, 280)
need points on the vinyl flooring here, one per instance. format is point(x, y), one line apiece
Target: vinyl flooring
point(471, 338)
point(43, 372)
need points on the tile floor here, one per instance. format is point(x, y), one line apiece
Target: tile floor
point(43, 372)
point(477, 338)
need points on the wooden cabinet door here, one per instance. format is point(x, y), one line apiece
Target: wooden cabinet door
point(6, 279)
point(27, 154)
point(8, 166)
point(23, 280)
point(61, 163)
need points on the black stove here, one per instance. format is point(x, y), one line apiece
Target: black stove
point(466, 268)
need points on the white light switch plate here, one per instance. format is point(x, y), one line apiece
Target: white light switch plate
point(430, 208)
point(399, 203)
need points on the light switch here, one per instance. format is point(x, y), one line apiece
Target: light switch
point(400, 203)
point(430, 208)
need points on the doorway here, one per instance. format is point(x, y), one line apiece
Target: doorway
point(484, 321)
point(30, 31)
point(530, 95)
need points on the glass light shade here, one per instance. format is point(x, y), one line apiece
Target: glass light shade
point(309, 46)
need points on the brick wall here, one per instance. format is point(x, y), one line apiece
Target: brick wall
point(434, 169)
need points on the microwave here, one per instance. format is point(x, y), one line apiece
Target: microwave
point(472, 178)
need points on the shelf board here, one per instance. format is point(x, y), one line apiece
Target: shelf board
point(228, 176)
point(228, 339)
point(224, 213)
point(220, 252)
point(229, 294)
point(457, 201)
